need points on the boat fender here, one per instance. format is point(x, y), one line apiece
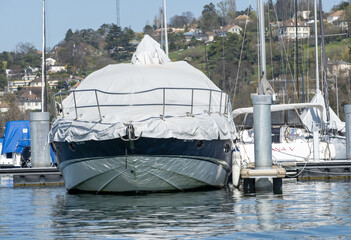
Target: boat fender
point(236, 167)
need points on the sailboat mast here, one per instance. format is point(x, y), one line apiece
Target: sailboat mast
point(43, 68)
point(296, 54)
point(316, 44)
point(165, 24)
point(324, 62)
point(262, 42)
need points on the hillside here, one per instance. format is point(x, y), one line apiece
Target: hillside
point(216, 50)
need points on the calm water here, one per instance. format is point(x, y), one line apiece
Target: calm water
point(305, 210)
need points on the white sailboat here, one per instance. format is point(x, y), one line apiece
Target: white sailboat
point(292, 133)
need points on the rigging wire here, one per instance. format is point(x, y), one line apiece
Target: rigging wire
point(241, 51)
point(288, 67)
point(308, 60)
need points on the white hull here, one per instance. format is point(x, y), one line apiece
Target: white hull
point(15, 161)
point(143, 173)
point(294, 151)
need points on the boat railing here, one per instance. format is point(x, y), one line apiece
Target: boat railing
point(222, 108)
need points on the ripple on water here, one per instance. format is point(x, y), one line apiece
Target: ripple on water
point(305, 210)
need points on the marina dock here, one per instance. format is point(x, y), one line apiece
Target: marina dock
point(34, 176)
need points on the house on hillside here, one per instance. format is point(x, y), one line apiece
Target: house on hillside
point(13, 85)
point(233, 29)
point(55, 69)
point(4, 107)
point(288, 30)
point(197, 34)
point(30, 99)
point(37, 83)
point(304, 14)
point(52, 67)
point(337, 18)
point(242, 19)
point(222, 32)
point(50, 61)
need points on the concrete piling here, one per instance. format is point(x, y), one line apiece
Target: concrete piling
point(263, 140)
point(347, 110)
point(39, 130)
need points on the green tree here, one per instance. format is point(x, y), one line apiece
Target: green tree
point(3, 81)
point(118, 43)
point(69, 35)
point(147, 29)
point(209, 18)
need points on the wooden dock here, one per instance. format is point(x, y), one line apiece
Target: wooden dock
point(334, 169)
point(34, 176)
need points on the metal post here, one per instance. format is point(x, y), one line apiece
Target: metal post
point(192, 102)
point(39, 131)
point(315, 130)
point(97, 102)
point(262, 130)
point(220, 104)
point(316, 44)
point(337, 95)
point(43, 69)
point(75, 104)
point(262, 38)
point(347, 110)
point(209, 104)
point(63, 114)
point(164, 103)
point(226, 104)
point(262, 139)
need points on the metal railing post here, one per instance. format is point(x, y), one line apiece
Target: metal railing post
point(226, 104)
point(209, 104)
point(192, 102)
point(75, 105)
point(97, 101)
point(164, 103)
point(63, 114)
point(220, 104)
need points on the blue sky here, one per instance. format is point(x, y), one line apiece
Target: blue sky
point(21, 20)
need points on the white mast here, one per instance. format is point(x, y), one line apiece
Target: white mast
point(43, 68)
point(316, 44)
point(262, 38)
point(165, 23)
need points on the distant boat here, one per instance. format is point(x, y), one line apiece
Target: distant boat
point(151, 125)
point(292, 138)
point(15, 146)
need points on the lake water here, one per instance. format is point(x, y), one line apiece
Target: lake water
point(305, 210)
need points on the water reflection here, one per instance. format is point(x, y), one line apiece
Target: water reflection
point(164, 214)
point(305, 210)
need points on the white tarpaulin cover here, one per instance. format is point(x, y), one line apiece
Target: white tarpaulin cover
point(138, 100)
point(311, 115)
point(279, 107)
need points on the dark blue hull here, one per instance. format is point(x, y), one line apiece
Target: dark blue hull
point(147, 164)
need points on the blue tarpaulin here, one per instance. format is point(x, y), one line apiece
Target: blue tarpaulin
point(16, 137)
